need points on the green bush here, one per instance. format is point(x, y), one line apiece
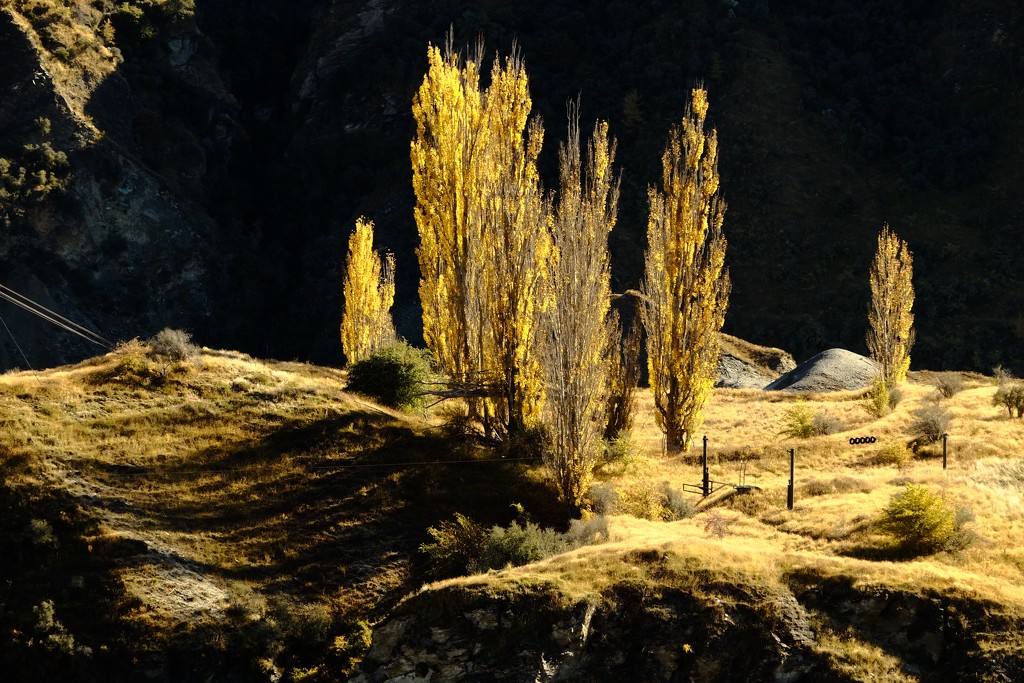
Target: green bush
point(1011, 397)
point(802, 423)
point(877, 403)
point(457, 546)
point(518, 545)
point(895, 453)
point(395, 375)
point(920, 521)
point(799, 423)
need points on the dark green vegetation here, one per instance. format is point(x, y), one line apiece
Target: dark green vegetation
point(247, 138)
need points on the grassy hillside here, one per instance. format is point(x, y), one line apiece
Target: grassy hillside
point(225, 514)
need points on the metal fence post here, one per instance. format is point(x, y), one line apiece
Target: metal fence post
point(792, 469)
point(945, 437)
point(706, 484)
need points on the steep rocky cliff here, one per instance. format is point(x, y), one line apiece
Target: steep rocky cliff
point(689, 625)
point(219, 152)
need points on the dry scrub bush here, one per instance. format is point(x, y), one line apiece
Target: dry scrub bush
point(843, 484)
point(174, 346)
point(948, 384)
point(930, 423)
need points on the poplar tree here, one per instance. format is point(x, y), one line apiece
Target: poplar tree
point(686, 285)
point(578, 326)
point(890, 317)
point(369, 289)
point(481, 219)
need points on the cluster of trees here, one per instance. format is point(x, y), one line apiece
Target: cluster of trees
point(515, 281)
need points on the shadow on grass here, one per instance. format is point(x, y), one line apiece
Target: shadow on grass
point(339, 502)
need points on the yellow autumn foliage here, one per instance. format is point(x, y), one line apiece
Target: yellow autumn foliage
point(369, 284)
point(482, 223)
point(686, 285)
point(890, 316)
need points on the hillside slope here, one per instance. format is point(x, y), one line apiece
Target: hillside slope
point(248, 520)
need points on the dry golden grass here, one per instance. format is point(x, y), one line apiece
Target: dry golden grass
point(841, 489)
point(236, 480)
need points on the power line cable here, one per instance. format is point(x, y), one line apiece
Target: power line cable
point(53, 317)
point(56, 318)
point(16, 344)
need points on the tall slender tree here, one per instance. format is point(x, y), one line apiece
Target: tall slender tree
point(686, 285)
point(483, 239)
point(577, 326)
point(890, 315)
point(369, 289)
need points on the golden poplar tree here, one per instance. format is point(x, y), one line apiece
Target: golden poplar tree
point(369, 288)
point(578, 325)
point(481, 218)
point(890, 317)
point(686, 285)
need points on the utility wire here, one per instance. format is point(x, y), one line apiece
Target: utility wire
point(53, 317)
point(16, 344)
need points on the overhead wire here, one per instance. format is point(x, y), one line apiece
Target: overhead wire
point(16, 344)
point(37, 309)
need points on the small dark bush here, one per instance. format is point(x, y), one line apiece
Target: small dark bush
point(1011, 397)
point(949, 384)
point(518, 545)
point(930, 423)
point(458, 545)
point(395, 375)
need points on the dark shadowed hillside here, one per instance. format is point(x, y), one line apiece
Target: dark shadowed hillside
point(219, 152)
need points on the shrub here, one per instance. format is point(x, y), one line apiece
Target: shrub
point(676, 503)
point(930, 423)
point(173, 345)
point(878, 398)
point(948, 384)
point(394, 375)
point(895, 396)
point(919, 520)
point(593, 529)
point(895, 453)
point(458, 545)
point(604, 499)
point(617, 452)
point(824, 424)
point(799, 423)
point(716, 524)
point(643, 501)
point(518, 545)
point(1011, 397)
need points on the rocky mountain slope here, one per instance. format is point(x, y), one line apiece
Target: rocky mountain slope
point(217, 154)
